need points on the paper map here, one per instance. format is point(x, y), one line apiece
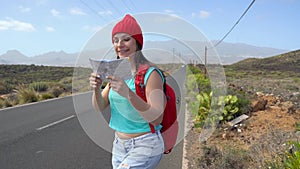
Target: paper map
point(117, 67)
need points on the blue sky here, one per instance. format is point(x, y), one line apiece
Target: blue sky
point(39, 26)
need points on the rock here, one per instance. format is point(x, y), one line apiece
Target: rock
point(296, 93)
point(288, 106)
point(237, 120)
point(259, 94)
point(224, 136)
point(271, 99)
point(297, 134)
point(258, 105)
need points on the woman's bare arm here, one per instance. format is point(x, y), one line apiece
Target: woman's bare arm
point(99, 99)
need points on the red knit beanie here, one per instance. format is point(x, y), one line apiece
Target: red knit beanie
point(130, 26)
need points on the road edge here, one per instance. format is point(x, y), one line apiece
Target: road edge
point(187, 128)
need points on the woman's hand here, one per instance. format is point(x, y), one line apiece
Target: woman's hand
point(95, 81)
point(119, 86)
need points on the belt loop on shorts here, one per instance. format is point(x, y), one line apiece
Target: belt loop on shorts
point(116, 138)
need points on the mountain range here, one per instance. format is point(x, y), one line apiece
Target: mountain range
point(228, 53)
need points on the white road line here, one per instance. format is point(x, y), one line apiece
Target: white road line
point(54, 123)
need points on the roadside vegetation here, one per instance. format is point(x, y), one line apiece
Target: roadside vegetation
point(261, 141)
point(22, 84)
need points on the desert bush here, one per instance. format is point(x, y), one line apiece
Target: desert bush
point(56, 91)
point(296, 80)
point(6, 103)
point(289, 160)
point(46, 96)
point(26, 95)
point(1, 102)
point(227, 157)
point(5, 87)
point(66, 80)
point(12, 98)
point(297, 125)
point(9, 101)
point(67, 83)
point(39, 86)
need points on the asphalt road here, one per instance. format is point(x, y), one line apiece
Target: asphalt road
point(48, 135)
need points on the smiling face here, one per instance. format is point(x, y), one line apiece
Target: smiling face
point(124, 45)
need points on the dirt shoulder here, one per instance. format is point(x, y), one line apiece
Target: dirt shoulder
point(249, 144)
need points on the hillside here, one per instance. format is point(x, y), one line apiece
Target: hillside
point(261, 141)
point(279, 75)
point(285, 62)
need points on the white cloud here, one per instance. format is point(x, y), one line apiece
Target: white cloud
point(202, 14)
point(91, 28)
point(11, 24)
point(24, 9)
point(54, 12)
point(168, 11)
point(50, 29)
point(171, 13)
point(77, 11)
point(105, 13)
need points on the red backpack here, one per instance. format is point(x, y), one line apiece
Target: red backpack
point(169, 123)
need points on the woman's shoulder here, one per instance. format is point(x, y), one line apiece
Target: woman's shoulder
point(152, 70)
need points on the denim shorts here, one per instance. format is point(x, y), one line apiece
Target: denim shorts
point(142, 152)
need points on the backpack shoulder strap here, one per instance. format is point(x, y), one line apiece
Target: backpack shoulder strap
point(140, 86)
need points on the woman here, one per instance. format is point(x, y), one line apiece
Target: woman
point(135, 146)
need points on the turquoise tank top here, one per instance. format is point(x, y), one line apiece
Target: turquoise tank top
point(124, 117)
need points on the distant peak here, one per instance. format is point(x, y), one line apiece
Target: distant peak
point(14, 52)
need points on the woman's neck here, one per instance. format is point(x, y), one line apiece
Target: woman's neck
point(133, 63)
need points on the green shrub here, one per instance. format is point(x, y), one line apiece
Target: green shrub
point(292, 156)
point(46, 96)
point(201, 108)
point(209, 107)
point(26, 95)
point(194, 69)
point(39, 86)
point(198, 82)
point(231, 108)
